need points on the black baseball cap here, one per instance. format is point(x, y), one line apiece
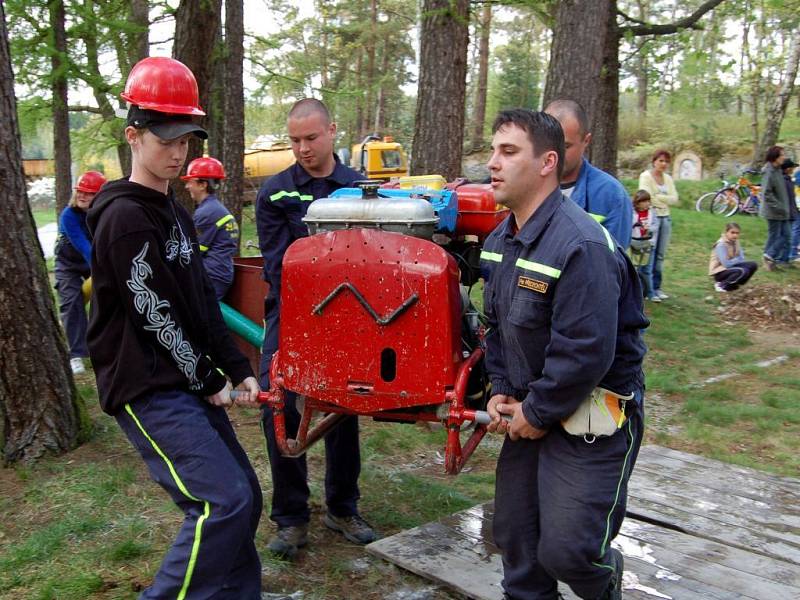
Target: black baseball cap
point(167, 126)
point(789, 164)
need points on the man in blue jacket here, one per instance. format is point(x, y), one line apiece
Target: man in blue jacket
point(281, 205)
point(564, 309)
point(595, 191)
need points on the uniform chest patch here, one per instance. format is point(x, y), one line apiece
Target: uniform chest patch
point(532, 284)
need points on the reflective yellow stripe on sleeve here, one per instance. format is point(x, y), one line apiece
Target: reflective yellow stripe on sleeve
point(223, 220)
point(538, 268)
point(284, 194)
point(610, 240)
point(598, 218)
point(491, 256)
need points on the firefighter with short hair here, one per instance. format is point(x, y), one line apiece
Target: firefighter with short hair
point(564, 355)
point(281, 205)
point(159, 347)
point(217, 230)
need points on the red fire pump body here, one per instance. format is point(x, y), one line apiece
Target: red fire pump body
point(370, 325)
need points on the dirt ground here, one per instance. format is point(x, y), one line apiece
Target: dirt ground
point(768, 306)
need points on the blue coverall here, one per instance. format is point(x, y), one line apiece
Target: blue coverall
point(564, 305)
point(218, 237)
point(281, 204)
point(73, 255)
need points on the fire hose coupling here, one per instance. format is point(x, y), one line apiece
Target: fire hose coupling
point(445, 412)
point(263, 397)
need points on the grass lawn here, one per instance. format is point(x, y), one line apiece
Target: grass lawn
point(92, 525)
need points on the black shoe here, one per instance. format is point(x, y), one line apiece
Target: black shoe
point(288, 540)
point(353, 527)
point(614, 589)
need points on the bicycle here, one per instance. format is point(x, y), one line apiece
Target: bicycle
point(731, 198)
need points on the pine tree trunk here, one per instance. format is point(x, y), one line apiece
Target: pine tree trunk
point(479, 116)
point(61, 145)
point(195, 33)
point(39, 405)
point(233, 143)
point(439, 124)
point(580, 73)
point(776, 110)
point(605, 119)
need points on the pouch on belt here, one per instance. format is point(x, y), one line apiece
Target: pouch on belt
point(602, 414)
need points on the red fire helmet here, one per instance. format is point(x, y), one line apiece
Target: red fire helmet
point(90, 182)
point(204, 168)
point(163, 84)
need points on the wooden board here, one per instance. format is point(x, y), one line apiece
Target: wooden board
point(714, 531)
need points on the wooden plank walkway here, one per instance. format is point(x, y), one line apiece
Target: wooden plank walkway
point(696, 529)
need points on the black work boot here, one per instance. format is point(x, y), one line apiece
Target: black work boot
point(614, 589)
point(353, 527)
point(288, 540)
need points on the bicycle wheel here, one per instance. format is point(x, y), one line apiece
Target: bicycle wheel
point(703, 203)
point(725, 203)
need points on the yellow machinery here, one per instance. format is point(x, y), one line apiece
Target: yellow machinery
point(379, 158)
point(376, 158)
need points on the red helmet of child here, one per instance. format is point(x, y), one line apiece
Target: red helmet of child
point(204, 168)
point(90, 182)
point(163, 84)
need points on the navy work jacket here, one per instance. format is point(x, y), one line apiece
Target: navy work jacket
point(281, 204)
point(218, 238)
point(565, 312)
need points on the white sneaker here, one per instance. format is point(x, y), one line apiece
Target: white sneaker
point(654, 298)
point(77, 366)
point(660, 294)
point(719, 288)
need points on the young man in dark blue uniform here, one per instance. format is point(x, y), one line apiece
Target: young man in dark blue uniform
point(217, 231)
point(565, 311)
point(158, 345)
point(280, 207)
point(595, 191)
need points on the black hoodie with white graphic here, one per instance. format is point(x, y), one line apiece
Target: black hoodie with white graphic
point(154, 322)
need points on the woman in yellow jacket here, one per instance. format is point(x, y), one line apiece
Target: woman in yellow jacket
point(663, 194)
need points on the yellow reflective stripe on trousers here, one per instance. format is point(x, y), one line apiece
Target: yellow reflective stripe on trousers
point(203, 248)
point(200, 520)
point(295, 194)
point(492, 256)
point(223, 220)
point(538, 268)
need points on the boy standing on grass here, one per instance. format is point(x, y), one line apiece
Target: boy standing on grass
point(157, 342)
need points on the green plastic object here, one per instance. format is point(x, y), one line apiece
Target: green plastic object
point(242, 326)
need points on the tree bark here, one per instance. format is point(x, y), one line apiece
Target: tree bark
point(577, 51)
point(233, 142)
point(39, 405)
point(605, 117)
point(61, 145)
point(776, 110)
point(140, 47)
point(195, 32)
point(439, 125)
point(479, 116)
point(371, 48)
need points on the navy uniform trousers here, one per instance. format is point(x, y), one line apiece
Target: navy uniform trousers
point(192, 452)
point(69, 280)
point(290, 475)
point(559, 501)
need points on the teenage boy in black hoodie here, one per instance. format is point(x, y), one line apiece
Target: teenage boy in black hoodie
point(157, 342)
